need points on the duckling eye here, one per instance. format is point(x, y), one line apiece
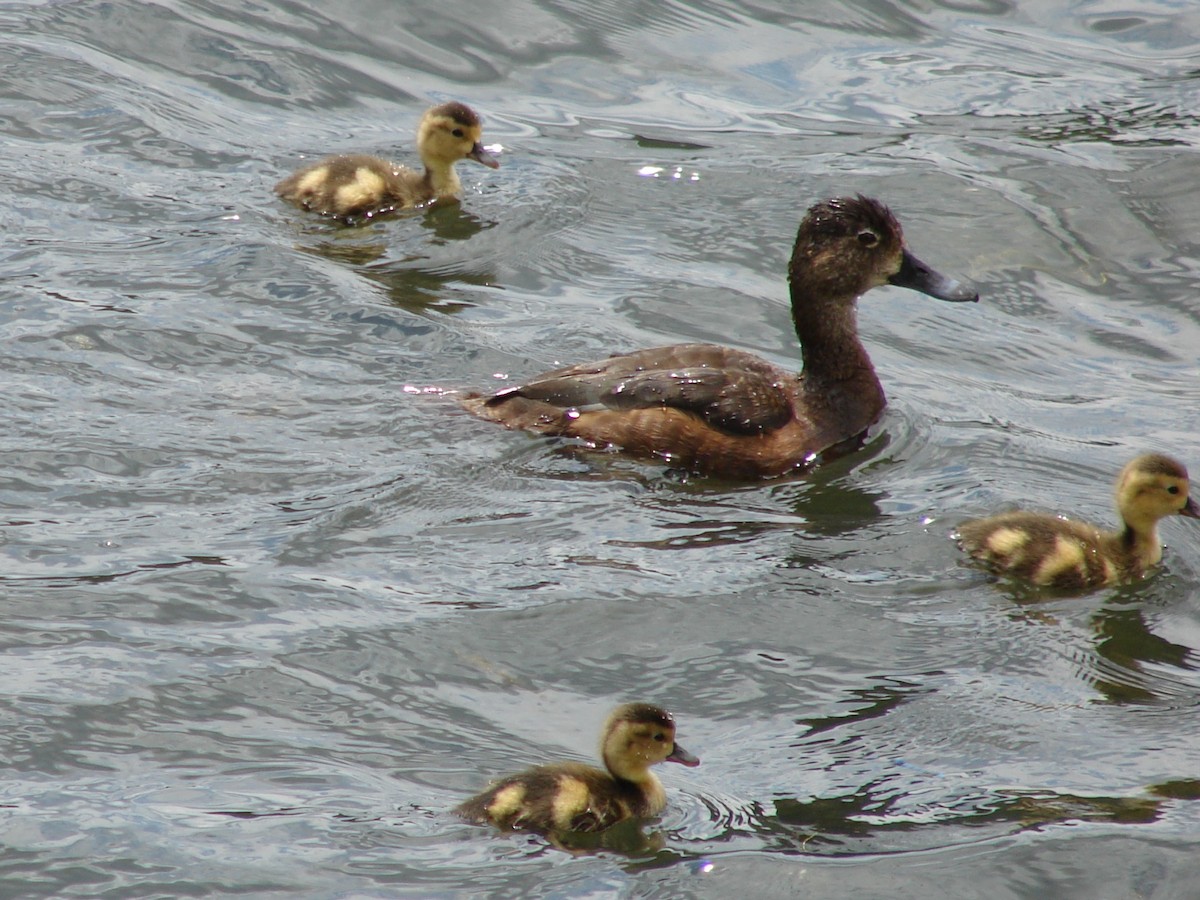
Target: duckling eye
point(868, 238)
point(660, 737)
point(457, 132)
point(1173, 489)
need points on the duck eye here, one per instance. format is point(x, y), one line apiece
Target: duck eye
point(457, 132)
point(660, 737)
point(868, 238)
point(1173, 489)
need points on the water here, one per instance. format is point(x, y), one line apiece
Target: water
point(272, 609)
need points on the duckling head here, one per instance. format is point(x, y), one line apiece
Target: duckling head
point(1151, 487)
point(637, 736)
point(451, 132)
point(847, 245)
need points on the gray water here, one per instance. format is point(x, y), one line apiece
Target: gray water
point(273, 606)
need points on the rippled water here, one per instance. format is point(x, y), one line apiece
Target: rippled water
point(272, 609)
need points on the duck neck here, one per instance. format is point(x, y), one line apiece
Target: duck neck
point(442, 179)
point(829, 343)
point(1140, 540)
point(624, 772)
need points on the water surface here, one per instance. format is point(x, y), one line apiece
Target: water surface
point(273, 608)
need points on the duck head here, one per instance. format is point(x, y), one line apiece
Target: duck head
point(1151, 487)
point(451, 132)
point(847, 245)
point(637, 736)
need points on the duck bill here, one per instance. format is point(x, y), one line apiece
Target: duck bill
point(1190, 509)
point(918, 276)
point(482, 156)
point(682, 757)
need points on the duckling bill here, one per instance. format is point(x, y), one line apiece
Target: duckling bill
point(573, 797)
point(355, 186)
point(1069, 555)
point(718, 411)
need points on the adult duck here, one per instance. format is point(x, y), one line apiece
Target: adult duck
point(718, 411)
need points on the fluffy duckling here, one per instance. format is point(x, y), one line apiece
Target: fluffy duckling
point(569, 796)
point(718, 411)
point(1068, 555)
point(355, 186)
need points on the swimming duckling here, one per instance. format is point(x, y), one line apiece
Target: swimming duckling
point(356, 186)
point(718, 411)
point(571, 796)
point(1062, 553)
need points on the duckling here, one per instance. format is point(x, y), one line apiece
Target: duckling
point(354, 186)
point(1065, 554)
point(570, 796)
point(717, 411)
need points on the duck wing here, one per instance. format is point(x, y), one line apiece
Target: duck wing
point(730, 390)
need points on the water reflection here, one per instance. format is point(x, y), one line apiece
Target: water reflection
point(841, 825)
point(1129, 662)
point(400, 253)
point(658, 143)
point(834, 504)
point(420, 290)
point(629, 838)
point(870, 703)
point(1126, 640)
point(66, 581)
point(1144, 124)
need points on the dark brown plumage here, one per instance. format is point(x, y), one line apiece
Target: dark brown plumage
point(1068, 555)
point(573, 797)
point(718, 411)
point(355, 186)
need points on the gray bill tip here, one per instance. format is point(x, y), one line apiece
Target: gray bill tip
point(480, 155)
point(681, 756)
point(916, 275)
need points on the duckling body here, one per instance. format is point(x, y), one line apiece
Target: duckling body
point(1064, 554)
point(357, 186)
point(564, 797)
point(718, 411)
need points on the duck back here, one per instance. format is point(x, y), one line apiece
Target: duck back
point(563, 797)
point(700, 407)
point(1051, 552)
point(352, 186)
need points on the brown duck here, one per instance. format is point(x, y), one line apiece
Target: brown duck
point(718, 411)
point(569, 796)
point(357, 187)
point(1068, 555)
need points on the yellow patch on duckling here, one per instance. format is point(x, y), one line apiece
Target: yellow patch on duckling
point(1006, 541)
point(507, 801)
point(1067, 556)
point(365, 188)
point(312, 181)
point(571, 797)
point(1111, 572)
